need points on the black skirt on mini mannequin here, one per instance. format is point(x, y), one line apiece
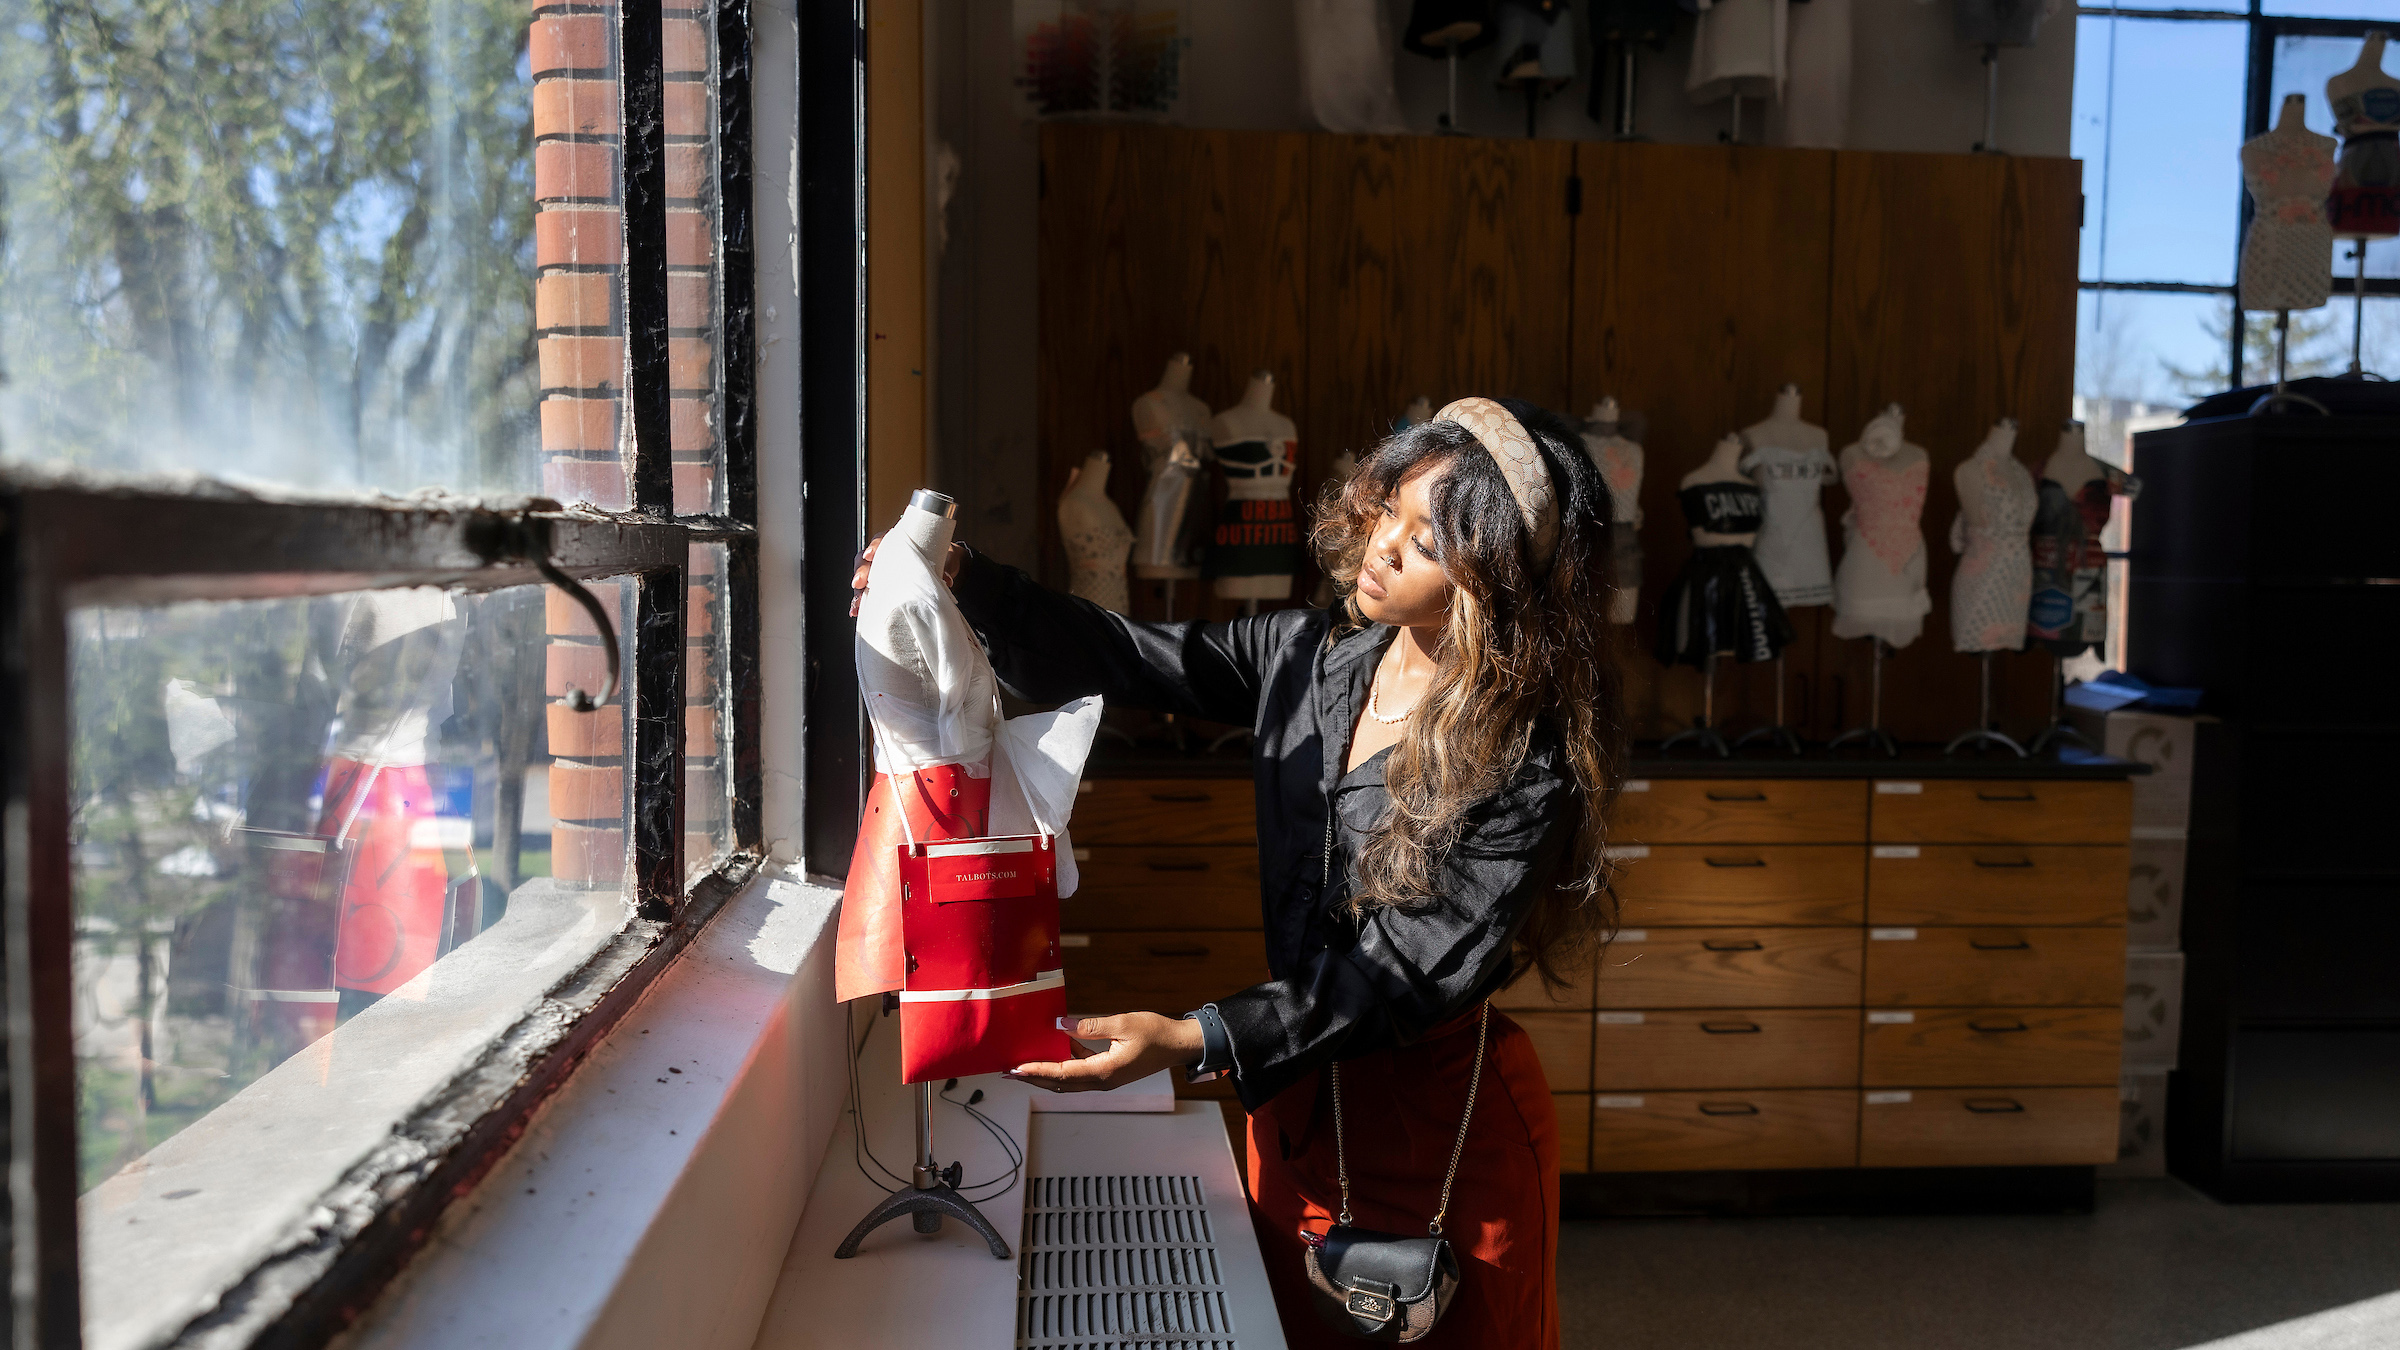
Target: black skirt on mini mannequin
point(1721, 602)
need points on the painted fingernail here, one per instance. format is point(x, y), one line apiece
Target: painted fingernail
point(1069, 1023)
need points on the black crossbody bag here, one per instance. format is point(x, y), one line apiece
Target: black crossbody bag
point(1382, 1286)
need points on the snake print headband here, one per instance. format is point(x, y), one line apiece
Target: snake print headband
point(1520, 461)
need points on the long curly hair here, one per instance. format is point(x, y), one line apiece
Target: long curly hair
point(1521, 649)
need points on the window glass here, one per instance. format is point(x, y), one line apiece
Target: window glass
point(2335, 9)
point(291, 244)
point(2142, 353)
point(325, 850)
point(2161, 175)
point(2302, 66)
point(707, 722)
point(694, 277)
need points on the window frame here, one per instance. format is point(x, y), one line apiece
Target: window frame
point(66, 542)
point(2262, 30)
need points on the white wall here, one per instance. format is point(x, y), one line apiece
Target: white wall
point(1914, 87)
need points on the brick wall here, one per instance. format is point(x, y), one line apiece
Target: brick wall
point(579, 310)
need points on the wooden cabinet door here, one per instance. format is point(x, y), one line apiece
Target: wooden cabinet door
point(1987, 1127)
point(1665, 884)
point(1658, 811)
point(2003, 967)
point(1160, 972)
point(1126, 886)
point(1438, 267)
point(2001, 811)
point(1152, 811)
point(1717, 1048)
point(2040, 1047)
point(1698, 1131)
point(1996, 883)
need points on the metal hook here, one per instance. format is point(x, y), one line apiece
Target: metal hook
point(575, 698)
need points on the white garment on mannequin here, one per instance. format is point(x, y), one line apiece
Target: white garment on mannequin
point(1173, 517)
point(1620, 463)
point(1257, 448)
point(1815, 113)
point(2287, 253)
point(1346, 52)
point(1789, 460)
point(1738, 48)
point(1879, 590)
point(1096, 537)
point(1994, 581)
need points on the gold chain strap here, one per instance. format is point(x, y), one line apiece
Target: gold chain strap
point(1341, 1154)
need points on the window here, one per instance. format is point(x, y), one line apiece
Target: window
point(353, 784)
point(2157, 324)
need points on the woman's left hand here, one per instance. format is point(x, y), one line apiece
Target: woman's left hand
point(1140, 1044)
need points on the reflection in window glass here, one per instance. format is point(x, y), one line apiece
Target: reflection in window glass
point(2335, 9)
point(2160, 171)
point(2302, 66)
point(695, 288)
point(290, 243)
point(313, 844)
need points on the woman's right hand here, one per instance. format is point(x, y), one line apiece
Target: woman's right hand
point(858, 576)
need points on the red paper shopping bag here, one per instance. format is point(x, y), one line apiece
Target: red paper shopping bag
point(984, 988)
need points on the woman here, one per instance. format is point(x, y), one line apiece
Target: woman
point(1452, 733)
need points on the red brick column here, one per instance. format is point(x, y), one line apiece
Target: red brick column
point(579, 312)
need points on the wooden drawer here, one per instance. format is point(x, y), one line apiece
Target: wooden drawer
point(1735, 884)
point(1960, 1047)
point(1574, 1130)
point(1161, 972)
point(1987, 1127)
point(1528, 991)
point(2001, 811)
point(1996, 883)
point(1205, 886)
point(1562, 1041)
point(1165, 811)
point(1740, 811)
point(1731, 968)
point(1971, 967)
point(1712, 1048)
point(1695, 1131)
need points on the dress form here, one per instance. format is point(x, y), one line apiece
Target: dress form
point(2287, 253)
point(1620, 463)
point(1790, 460)
point(1879, 589)
point(1994, 578)
point(1255, 548)
point(1173, 427)
point(2365, 202)
point(1095, 535)
point(2069, 610)
point(1719, 602)
point(1738, 53)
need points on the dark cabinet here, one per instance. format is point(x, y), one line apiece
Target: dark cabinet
point(2241, 584)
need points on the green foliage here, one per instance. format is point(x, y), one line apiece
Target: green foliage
point(275, 240)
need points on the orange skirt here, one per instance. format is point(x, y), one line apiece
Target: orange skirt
point(1400, 1108)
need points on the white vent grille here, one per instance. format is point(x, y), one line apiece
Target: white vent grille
point(1120, 1263)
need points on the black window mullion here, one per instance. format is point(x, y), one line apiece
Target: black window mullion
point(654, 769)
point(741, 694)
point(737, 337)
point(37, 946)
point(642, 44)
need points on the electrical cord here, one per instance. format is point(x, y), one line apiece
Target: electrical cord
point(1007, 1181)
point(858, 1112)
point(861, 1154)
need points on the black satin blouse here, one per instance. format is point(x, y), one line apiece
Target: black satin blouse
point(1341, 986)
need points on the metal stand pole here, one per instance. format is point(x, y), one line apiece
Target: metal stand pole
point(1779, 734)
point(2358, 313)
point(2283, 397)
point(1625, 97)
point(1703, 730)
point(933, 1198)
point(1448, 121)
point(2060, 731)
point(1986, 733)
point(1990, 144)
point(1872, 735)
point(1734, 137)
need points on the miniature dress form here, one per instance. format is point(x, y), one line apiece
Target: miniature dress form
point(1720, 602)
point(1788, 458)
point(1255, 549)
point(2287, 253)
point(1096, 537)
point(1994, 581)
point(2365, 202)
point(1172, 521)
point(1620, 463)
point(2069, 609)
point(1738, 51)
point(1879, 590)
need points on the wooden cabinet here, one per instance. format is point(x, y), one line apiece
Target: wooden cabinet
point(1987, 1127)
point(1741, 884)
point(2001, 811)
point(1154, 811)
point(1714, 1048)
point(2029, 967)
point(1740, 811)
point(1198, 886)
point(1944, 1047)
point(1731, 967)
point(1705, 1131)
point(1162, 971)
point(1995, 884)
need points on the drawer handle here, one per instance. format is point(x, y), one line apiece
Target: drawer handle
point(1181, 797)
point(1990, 862)
point(1737, 796)
point(1727, 1109)
point(1994, 1106)
point(1730, 1028)
point(2012, 1024)
point(1983, 796)
point(1178, 866)
point(1735, 862)
point(1194, 950)
point(1729, 945)
point(2020, 945)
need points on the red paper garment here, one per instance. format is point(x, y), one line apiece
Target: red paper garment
point(984, 986)
point(943, 802)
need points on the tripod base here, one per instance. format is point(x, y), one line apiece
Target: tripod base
point(926, 1210)
point(1777, 737)
point(1875, 739)
point(1983, 739)
point(2055, 737)
point(1701, 734)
